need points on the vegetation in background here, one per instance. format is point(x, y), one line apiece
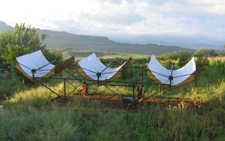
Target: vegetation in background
point(81, 54)
point(206, 53)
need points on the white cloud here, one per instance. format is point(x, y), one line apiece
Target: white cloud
point(104, 17)
point(209, 6)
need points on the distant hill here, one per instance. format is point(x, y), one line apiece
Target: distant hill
point(4, 26)
point(185, 42)
point(98, 43)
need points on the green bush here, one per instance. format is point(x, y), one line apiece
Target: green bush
point(214, 72)
point(184, 58)
point(7, 87)
point(201, 64)
point(218, 66)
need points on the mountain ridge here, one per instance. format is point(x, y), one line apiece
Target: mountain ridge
point(62, 39)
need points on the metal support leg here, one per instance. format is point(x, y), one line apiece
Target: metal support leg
point(65, 98)
point(133, 90)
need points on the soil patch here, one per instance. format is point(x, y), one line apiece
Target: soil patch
point(119, 103)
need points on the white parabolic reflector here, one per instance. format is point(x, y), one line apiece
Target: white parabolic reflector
point(93, 69)
point(34, 61)
point(161, 75)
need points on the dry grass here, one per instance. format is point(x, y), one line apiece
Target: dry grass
point(213, 59)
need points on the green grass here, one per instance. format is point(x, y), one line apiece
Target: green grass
point(7, 87)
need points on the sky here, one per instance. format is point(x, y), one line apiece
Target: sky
point(171, 18)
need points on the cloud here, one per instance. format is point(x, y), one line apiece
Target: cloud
point(125, 19)
point(209, 6)
point(105, 17)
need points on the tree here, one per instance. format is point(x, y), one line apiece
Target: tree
point(184, 57)
point(212, 52)
point(13, 51)
point(26, 37)
point(201, 53)
point(201, 63)
point(5, 38)
point(173, 56)
point(221, 53)
point(21, 41)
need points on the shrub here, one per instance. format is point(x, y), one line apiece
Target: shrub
point(201, 63)
point(184, 57)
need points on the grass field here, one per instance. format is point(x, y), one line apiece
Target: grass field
point(81, 54)
point(216, 58)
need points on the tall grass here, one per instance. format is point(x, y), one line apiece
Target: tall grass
point(7, 87)
point(33, 97)
point(120, 91)
point(27, 118)
point(81, 123)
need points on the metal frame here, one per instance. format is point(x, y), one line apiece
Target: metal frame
point(138, 82)
point(130, 84)
point(65, 80)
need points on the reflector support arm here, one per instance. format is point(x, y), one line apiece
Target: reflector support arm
point(106, 67)
point(46, 65)
point(171, 75)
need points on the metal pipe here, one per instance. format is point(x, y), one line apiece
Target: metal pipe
point(171, 76)
point(133, 90)
point(72, 75)
point(172, 68)
point(50, 89)
point(106, 67)
point(65, 90)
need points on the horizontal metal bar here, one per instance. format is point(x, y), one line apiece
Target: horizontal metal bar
point(137, 67)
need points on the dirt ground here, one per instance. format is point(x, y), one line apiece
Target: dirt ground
point(117, 103)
